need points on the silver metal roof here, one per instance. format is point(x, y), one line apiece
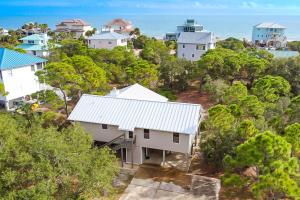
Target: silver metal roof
point(269, 25)
point(137, 91)
point(202, 37)
point(129, 114)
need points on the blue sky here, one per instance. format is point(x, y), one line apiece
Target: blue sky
point(98, 7)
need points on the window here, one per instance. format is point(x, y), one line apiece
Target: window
point(183, 55)
point(34, 53)
point(146, 134)
point(104, 126)
point(176, 137)
point(32, 68)
point(30, 41)
point(183, 46)
point(39, 66)
point(130, 134)
point(193, 55)
point(109, 42)
point(201, 47)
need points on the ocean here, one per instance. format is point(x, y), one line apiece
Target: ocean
point(239, 26)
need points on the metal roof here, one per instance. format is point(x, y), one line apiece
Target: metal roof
point(108, 36)
point(284, 54)
point(33, 47)
point(129, 114)
point(13, 59)
point(202, 37)
point(137, 91)
point(269, 25)
point(36, 37)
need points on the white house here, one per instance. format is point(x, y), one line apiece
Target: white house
point(192, 45)
point(138, 127)
point(3, 32)
point(17, 74)
point(189, 26)
point(36, 44)
point(269, 35)
point(76, 26)
point(107, 40)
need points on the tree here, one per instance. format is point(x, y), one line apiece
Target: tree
point(73, 47)
point(175, 73)
point(90, 33)
point(142, 72)
point(231, 43)
point(234, 92)
point(288, 69)
point(219, 137)
point(136, 32)
point(270, 155)
point(292, 135)
point(62, 76)
point(293, 110)
point(294, 46)
point(38, 163)
point(93, 78)
point(271, 88)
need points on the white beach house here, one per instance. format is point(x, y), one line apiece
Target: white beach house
point(107, 40)
point(139, 127)
point(269, 35)
point(189, 26)
point(76, 26)
point(192, 45)
point(36, 44)
point(17, 74)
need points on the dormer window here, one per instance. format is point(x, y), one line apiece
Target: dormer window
point(30, 41)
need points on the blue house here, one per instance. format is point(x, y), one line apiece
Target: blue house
point(36, 44)
point(269, 35)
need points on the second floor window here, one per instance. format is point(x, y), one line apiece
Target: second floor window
point(183, 46)
point(104, 126)
point(130, 134)
point(30, 41)
point(146, 134)
point(201, 47)
point(176, 137)
point(32, 68)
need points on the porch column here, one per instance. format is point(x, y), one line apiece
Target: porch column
point(122, 157)
point(164, 157)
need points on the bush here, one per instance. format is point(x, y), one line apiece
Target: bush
point(168, 93)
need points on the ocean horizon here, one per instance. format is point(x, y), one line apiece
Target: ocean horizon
point(224, 26)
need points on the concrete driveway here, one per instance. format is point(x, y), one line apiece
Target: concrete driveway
point(152, 183)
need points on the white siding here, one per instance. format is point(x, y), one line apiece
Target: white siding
point(190, 51)
point(20, 82)
point(158, 140)
point(105, 44)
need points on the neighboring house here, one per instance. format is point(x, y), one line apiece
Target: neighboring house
point(192, 45)
point(137, 128)
point(107, 40)
point(189, 26)
point(17, 73)
point(3, 32)
point(76, 26)
point(120, 26)
point(269, 35)
point(138, 92)
point(36, 44)
point(284, 53)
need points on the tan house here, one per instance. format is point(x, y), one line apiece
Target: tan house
point(76, 26)
point(120, 26)
point(136, 127)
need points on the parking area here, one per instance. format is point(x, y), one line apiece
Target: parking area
point(154, 182)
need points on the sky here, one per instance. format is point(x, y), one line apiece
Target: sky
point(144, 7)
